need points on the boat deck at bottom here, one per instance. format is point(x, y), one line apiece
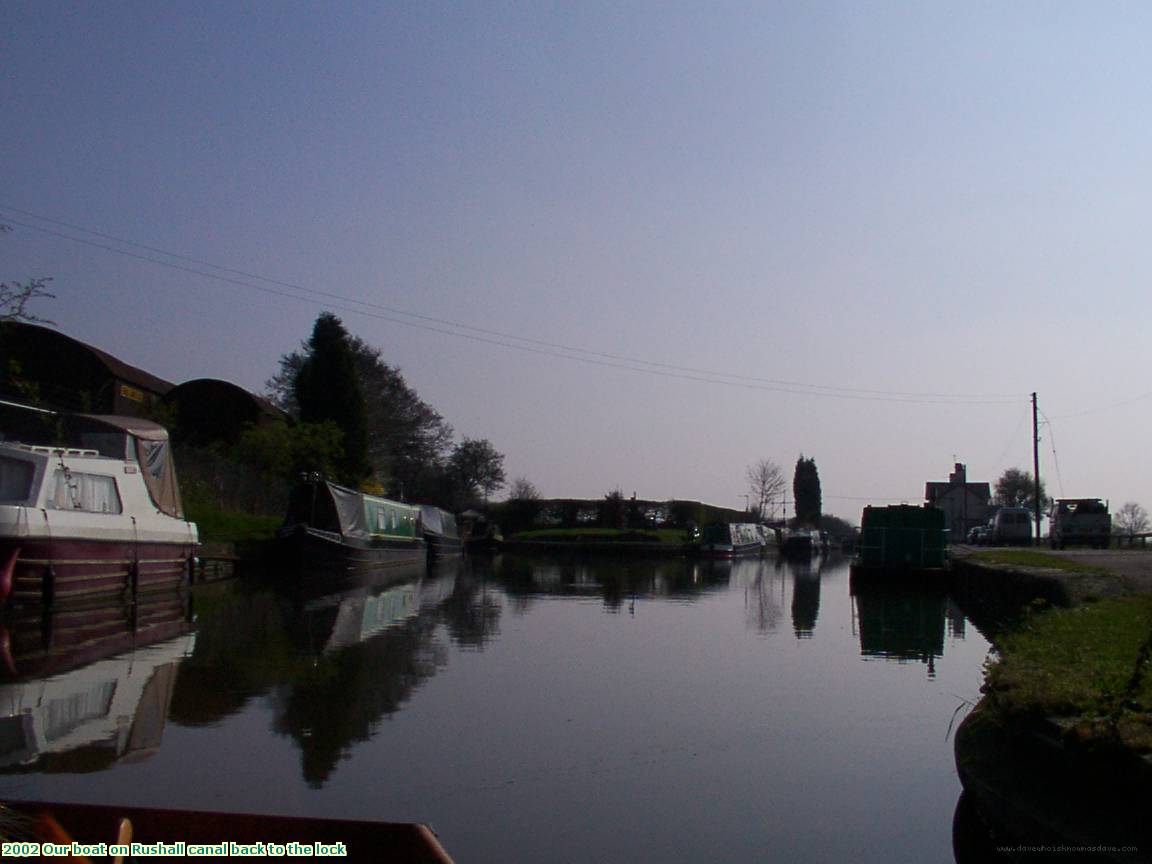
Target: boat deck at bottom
point(400, 842)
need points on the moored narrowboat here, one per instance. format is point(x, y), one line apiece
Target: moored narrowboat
point(732, 540)
point(93, 519)
point(802, 543)
point(331, 527)
point(901, 537)
point(440, 532)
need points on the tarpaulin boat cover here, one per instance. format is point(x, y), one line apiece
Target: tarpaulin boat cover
point(438, 522)
point(350, 511)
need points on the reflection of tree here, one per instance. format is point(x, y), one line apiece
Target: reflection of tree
point(329, 688)
point(615, 579)
point(471, 615)
point(241, 651)
point(763, 610)
point(805, 602)
point(341, 697)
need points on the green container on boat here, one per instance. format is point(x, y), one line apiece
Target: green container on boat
point(902, 536)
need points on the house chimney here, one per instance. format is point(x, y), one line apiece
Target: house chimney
point(959, 474)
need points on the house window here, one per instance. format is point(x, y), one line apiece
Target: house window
point(91, 493)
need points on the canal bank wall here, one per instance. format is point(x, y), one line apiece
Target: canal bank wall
point(1069, 783)
point(996, 596)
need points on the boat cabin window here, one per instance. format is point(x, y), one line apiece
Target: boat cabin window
point(15, 480)
point(114, 445)
point(91, 493)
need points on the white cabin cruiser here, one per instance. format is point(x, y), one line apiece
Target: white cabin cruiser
point(96, 519)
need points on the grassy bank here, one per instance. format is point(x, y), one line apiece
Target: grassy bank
point(1088, 665)
point(223, 526)
point(1031, 558)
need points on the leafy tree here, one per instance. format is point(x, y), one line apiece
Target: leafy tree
point(1016, 488)
point(806, 492)
point(408, 441)
point(766, 482)
point(836, 527)
point(1132, 519)
point(613, 510)
point(476, 467)
point(281, 451)
point(327, 389)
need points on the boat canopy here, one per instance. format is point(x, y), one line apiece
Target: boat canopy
point(438, 522)
point(148, 445)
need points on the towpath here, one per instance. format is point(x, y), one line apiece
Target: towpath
point(1133, 566)
point(1129, 571)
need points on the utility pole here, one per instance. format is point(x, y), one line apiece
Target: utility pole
point(1036, 463)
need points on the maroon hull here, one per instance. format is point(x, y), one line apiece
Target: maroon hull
point(41, 572)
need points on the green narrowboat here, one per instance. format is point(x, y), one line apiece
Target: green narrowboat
point(329, 526)
point(902, 537)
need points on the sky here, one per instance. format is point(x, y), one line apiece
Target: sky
point(636, 246)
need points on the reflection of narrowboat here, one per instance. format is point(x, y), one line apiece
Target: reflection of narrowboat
point(901, 537)
point(329, 526)
point(440, 532)
point(732, 540)
point(94, 514)
point(336, 621)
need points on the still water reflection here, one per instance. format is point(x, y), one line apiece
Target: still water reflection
point(529, 709)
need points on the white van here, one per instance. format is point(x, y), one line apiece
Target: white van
point(1012, 526)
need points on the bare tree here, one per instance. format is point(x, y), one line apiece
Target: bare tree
point(523, 489)
point(14, 298)
point(766, 485)
point(1132, 519)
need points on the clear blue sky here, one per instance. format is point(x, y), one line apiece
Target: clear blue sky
point(944, 198)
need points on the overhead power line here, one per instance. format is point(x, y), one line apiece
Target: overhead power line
point(310, 294)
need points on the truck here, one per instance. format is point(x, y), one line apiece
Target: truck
point(1079, 521)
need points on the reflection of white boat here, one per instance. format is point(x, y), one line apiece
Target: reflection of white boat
point(98, 519)
point(119, 705)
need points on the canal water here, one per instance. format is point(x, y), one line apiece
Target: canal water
point(528, 709)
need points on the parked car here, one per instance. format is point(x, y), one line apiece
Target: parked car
point(978, 536)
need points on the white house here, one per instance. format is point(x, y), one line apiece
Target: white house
point(965, 504)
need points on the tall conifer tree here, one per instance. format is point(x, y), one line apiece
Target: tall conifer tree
point(327, 390)
point(806, 492)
